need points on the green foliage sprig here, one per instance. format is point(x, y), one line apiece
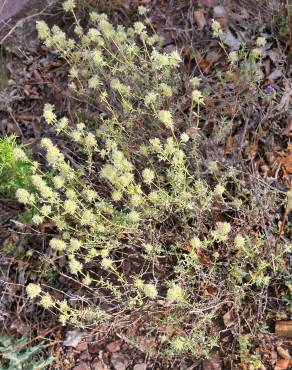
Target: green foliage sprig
point(15, 167)
point(19, 356)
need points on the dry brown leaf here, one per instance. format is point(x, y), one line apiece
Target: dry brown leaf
point(282, 364)
point(277, 73)
point(200, 18)
point(286, 163)
point(213, 363)
point(284, 328)
point(114, 346)
point(283, 353)
point(204, 64)
point(119, 361)
point(228, 319)
point(288, 130)
point(286, 99)
point(213, 56)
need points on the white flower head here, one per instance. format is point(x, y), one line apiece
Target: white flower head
point(150, 291)
point(22, 196)
point(69, 5)
point(57, 244)
point(33, 290)
point(198, 97)
point(261, 42)
point(175, 294)
point(166, 118)
point(233, 57)
point(219, 189)
point(49, 114)
point(43, 30)
point(142, 10)
point(19, 154)
point(148, 175)
point(47, 301)
point(216, 28)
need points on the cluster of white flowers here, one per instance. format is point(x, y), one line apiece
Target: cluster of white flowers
point(58, 244)
point(197, 97)
point(176, 294)
point(150, 290)
point(19, 154)
point(24, 197)
point(221, 232)
point(166, 118)
point(216, 28)
point(33, 290)
point(161, 61)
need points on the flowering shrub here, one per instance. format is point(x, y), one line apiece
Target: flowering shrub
point(137, 220)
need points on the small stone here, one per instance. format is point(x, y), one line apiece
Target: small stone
point(219, 11)
point(85, 356)
point(119, 361)
point(81, 347)
point(277, 73)
point(81, 366)
point(140, 367)
point(192, 132)
point(73, 338)
point(220, 14)
point(94, 347)
point(113, 346)
point(98, 365)
point(17, 20)
point(213, 363)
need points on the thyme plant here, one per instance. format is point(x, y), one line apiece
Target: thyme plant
point(137, 220)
